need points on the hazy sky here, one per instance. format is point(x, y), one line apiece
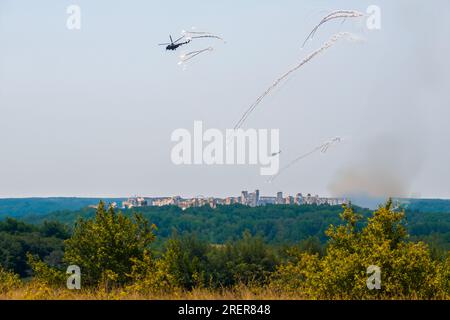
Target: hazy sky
point(90, 112)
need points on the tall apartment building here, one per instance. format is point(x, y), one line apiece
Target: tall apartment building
point(298, 199)
point(244, 197)
point(289, 200)
point(250, 199)
point(280, 199)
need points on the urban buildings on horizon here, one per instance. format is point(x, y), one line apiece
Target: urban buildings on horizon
point(253, 199)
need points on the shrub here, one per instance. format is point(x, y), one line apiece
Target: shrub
point(104, 247)
point(45, 274)
point(8, 281)
point(407, 269)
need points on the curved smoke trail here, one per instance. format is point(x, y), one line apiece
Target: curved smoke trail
point(208, 36)
point(190, 55)
point(200, 35)
point(322, 148)
point(325, 46)
point(339, 14)
point(191, 35)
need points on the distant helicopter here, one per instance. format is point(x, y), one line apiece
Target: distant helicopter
point(173, 45)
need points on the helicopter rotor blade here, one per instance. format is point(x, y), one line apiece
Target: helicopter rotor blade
point(170, 38)
point(178, 39)
point(163, 44)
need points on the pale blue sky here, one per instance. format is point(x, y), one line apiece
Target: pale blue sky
point(90, 112)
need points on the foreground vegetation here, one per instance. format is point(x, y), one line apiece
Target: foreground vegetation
point(118, 260)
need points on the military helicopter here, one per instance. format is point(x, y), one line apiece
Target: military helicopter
point(173, 45)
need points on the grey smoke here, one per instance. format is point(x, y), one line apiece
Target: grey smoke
point(384, 167)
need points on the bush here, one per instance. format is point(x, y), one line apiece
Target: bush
point(193, 263)
point(246, 261)
point(407, 269)
point(8, 281)
point(45, 274)
point(150, 276)
point(105, 247)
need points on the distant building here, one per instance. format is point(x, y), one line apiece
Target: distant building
point(244, 197)
point(289, 200)
point(253, 199)
point(134, 202)
point(298, 199)
point(229, 201)
point(263, 201)
point(171, 201)
point(280, 199)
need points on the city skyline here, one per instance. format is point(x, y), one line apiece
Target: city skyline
point(252, 199)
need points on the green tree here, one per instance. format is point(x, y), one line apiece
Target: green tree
point(105, 247)
point(407, 269)
point(55, 229)
point(45, 273)
point(18, 238)
point(245, 261)
point(185, 260)
point(149, 275)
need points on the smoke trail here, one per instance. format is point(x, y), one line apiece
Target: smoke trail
point(325, 46)
point(200, 35)
point(322, 148)
point(207, 36)
point(340, 14)
point(191, 35)
point(190, 55)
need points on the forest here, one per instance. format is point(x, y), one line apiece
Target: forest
point(298, 252)
point(276, 224)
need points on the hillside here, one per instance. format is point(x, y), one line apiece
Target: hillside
point(427, 205)
point(18, 207)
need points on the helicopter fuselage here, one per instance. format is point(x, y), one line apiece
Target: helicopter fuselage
point(174, 46)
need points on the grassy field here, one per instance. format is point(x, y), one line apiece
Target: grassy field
point(42, 292)
point(36, 290)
